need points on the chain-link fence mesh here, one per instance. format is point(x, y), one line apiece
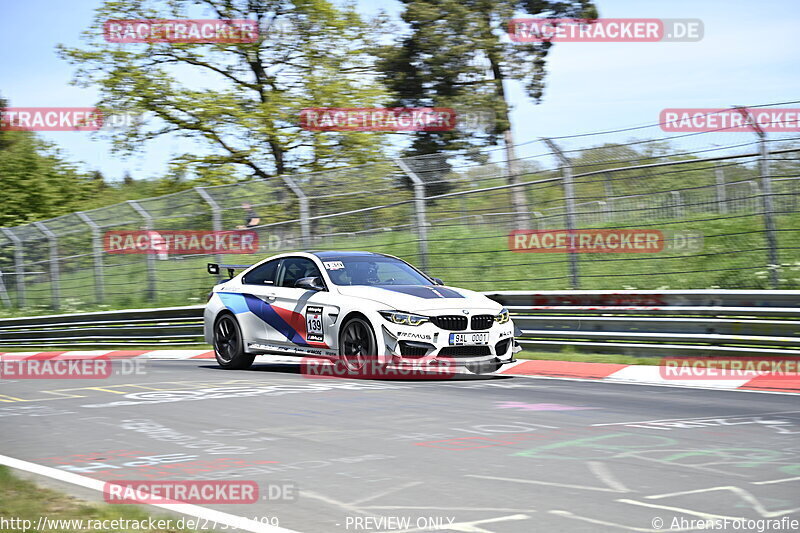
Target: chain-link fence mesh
point(453, 215)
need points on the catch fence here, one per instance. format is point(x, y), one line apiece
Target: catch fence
point(735, 193)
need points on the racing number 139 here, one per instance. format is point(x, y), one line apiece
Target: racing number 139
point(314, 330)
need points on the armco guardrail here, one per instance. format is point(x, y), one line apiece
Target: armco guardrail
point(169, 326)
point(654, 323)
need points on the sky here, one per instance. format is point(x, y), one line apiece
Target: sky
point(749, 55)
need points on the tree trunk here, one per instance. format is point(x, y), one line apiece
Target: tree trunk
point(517, 194)
point(518, 200)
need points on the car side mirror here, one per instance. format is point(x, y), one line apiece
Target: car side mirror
point(311, 284)
point(438, 281)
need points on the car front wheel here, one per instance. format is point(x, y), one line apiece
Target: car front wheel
point(357, 345)
point(228, 345)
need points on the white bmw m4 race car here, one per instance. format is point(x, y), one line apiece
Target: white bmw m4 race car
point(353, 307)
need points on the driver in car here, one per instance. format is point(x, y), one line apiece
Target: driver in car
point(356, 273)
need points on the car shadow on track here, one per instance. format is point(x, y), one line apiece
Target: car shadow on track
point(296, 368)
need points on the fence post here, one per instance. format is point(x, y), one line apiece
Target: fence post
point(216, 215)
point(519, 198)
point(3, 292)
point(766, 196)
point(305, 215)
point(97, 252)
point(150, 257)
point(19, 265)
point(569, 197)
point(678, 203)
point(55, 274)
point(722, 199)
point(769, 210)
point(419, 205)
point(608, 186)
point(606, 207)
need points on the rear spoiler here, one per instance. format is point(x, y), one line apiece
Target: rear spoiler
point(215, 268)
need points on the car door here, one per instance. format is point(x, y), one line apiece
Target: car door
point(258, 287)
point(303, 320)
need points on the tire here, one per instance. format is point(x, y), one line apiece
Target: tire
point(357, 345)
point(228, 344)
point(484, 367)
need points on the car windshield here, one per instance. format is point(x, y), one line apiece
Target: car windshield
point(373, 270)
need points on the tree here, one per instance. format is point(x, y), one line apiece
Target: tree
point(98, 180)
point(455, 55)
point(241, 102)
point(37, 182)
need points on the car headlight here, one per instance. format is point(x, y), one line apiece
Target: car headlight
point(406, 319)
point(503, 317)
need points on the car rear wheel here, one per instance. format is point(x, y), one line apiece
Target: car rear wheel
point(357, 346)
point(228, 345)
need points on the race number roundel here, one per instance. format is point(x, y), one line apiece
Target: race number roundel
point(314, 330)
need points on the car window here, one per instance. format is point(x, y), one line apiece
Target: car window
point(294, 268)
point(373, 270)
point(396, 274)
point(262, 274)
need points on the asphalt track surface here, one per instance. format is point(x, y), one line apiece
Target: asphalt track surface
point(481, 454)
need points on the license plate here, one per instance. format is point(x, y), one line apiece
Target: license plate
point(468, 339)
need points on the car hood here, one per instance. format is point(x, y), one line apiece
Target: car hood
point(422, 298)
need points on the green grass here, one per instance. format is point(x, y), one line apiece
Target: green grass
point(475, 257)
point(25, 500)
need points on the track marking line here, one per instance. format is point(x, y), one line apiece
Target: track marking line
point(386, 492)
point(609, 382)
point(740, 492)
point(775, 481)
point(102, 389)
point(699, 514)
point(10, 399)
point(697, 418)
point(548, 483)
point(702, 468)
point(602, 472)
point(337, 503)
point(99, 485)
point(568, 514)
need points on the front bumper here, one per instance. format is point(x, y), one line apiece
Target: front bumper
point(429, 344)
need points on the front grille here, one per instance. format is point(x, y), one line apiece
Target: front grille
point(415, 349)
point(482, 322)
point(502, 347)
point(464, 351)
point(450, 322)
